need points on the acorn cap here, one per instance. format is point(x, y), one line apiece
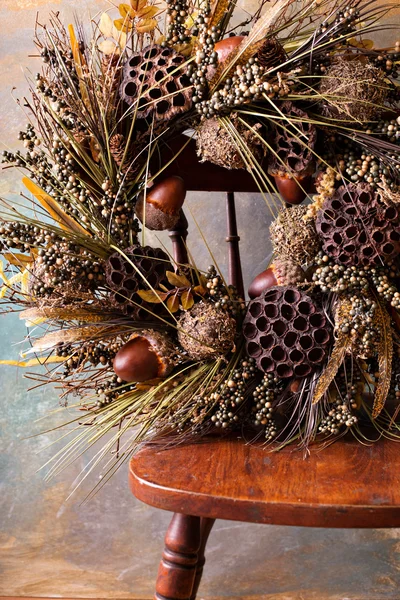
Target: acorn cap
point(152, 217)
point(147, 355)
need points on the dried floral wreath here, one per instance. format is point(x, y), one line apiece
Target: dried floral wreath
point(155, 348)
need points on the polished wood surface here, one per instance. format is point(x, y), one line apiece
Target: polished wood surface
point(344, 485)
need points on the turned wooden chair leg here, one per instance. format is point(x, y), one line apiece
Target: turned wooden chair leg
point(177, 570)
point(205, 530)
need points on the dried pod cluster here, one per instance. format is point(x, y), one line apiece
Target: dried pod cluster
point(124, 280)
point(286, 333)
point(294, 238)
point(154, 76)
point(357, 229)
point(215, 143)
point(206, 332)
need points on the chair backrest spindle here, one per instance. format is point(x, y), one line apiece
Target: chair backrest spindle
point(178, 237)
point(235, 266)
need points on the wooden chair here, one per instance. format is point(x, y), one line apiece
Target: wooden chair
point(345, 485)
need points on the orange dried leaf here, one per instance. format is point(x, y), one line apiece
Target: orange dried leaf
point(53, 208)
point(177, 280)
point(187, 300)
point(146, 25)
point(147, 12)
point(173, 303)
point(153, 297)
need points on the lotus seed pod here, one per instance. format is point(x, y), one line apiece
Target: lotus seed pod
point(356, 228)
point(155, 76)
point(124, 280)
point(293, 158)
point(206, 332)
point(286, 333)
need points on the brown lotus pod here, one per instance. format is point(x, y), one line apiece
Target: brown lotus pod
point(155, 76)
point(281, 272)
point(293, 145)
point(356, 228)
point(294, 238)
point(215, 145)
point(147, 355)
point(286, 333)
point(205, 332)
point(163, 203)
point(124, 280)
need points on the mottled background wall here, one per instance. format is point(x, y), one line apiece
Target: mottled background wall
point(110, 547)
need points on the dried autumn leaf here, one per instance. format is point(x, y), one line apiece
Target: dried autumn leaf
point(187, 300)
point(199, 289)
point(108, 47)
point(94, 149)
point(53, 208)
point(147, 12)
point(146, 25)
point(153, 297)
point(178, 281)
point(106, 25)
point(173, 303)
point(126, 11)
point(123, 24)
point(363, 44)
point(138, 4)
point(18, 260)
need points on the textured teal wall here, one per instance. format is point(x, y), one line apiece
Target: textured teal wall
point(110, 547)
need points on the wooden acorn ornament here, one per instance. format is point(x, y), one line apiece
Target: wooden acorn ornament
point(293, 189)
point(147, 355)
point(281, 272)
point(160, 209)
point(224, 47)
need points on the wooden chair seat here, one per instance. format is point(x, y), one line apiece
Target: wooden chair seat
point(345, 485)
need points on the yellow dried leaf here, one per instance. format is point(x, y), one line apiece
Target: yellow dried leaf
point(108, 47)
point(126, 11)
point(146, 25)
point(18, 260)
point(33, 362)
point(187, 300)
point(177, 280)
point(53, 208)
point(147, 12)
point(153, 297)
point(363, 44)
point(123, 24)
point(173, 303)
point(138, 4)
point(199, 289)
point(106, 25)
